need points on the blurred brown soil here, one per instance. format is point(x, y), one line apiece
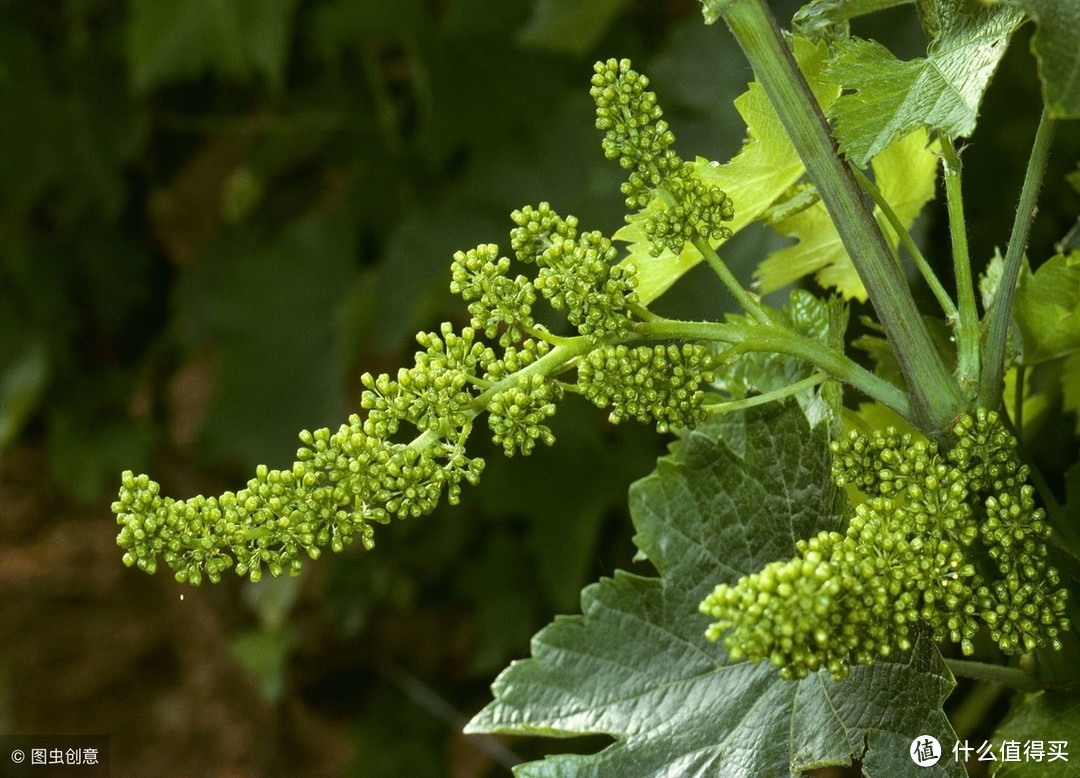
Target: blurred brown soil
point(88, 646)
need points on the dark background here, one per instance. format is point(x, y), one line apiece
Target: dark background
point(214, 216)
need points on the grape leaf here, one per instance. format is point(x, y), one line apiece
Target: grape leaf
point(1045, 717)
point(755, 178)
point(905, 172)
point(942, 91)
point(1047, 309)
point(231, 38)
point(1054, 45)
point(732, 496)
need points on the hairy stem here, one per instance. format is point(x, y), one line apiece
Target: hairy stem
point(936, 398)
point(1013, 677)
point(948, 307)
point(999, 314)
point(967, 328)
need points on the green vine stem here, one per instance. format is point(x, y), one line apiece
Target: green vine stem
point(967, 326)
point(755, 338)
point(936, 397)
point(749, 301)
point(1013, 677)
point(743, 338)
point(768, 397)
point(948, 307)
point(1000, 312)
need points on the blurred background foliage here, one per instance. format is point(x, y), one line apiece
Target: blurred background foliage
point(216, 214)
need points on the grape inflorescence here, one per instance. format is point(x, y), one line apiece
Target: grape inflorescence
point(408, 449)
point(948, 539)
point(678, 206)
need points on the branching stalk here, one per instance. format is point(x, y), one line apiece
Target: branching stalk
point(749, 301)
point(948, 307)
point(780, 340)
point(768, 397)
point(999, 314)
point(936, 398)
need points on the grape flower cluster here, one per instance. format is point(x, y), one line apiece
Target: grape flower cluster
point(638, 137)
point(949, 538)
point(408, 448)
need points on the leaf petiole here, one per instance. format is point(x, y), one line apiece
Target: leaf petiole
point(1013, 677)
point(750, 302)
point(948, 307)
point(768, 397)
point(967, 328)
point(998, 316)
point(936, 400)
point(780, 340)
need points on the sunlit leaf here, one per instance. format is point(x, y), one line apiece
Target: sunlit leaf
point(905, 172)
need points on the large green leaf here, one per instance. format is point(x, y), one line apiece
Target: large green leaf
point(1059, 56)
point(1047, 717)
point(1047, 309)
point(890, 98)
point(734, 495)
point(755, 178)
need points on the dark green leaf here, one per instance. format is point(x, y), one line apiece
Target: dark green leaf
point(1055, 47)
point(818, 18)
point(1045, 717)
point(734, 495)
